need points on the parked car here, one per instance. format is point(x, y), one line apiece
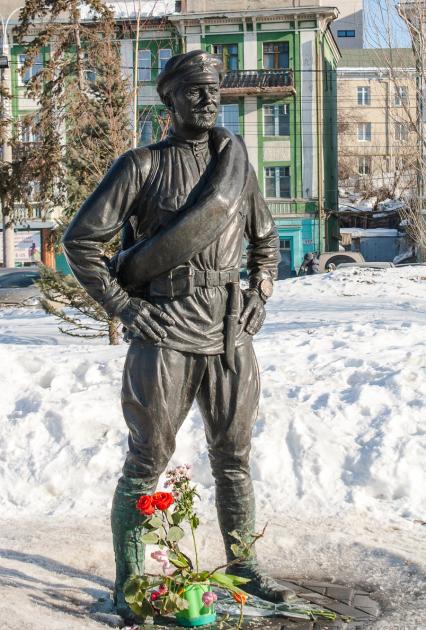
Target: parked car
point(17, 286)
point(328, 261)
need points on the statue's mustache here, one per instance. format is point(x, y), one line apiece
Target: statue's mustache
point(205, 110)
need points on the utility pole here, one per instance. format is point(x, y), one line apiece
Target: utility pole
point(7, 212)
point(136, 79)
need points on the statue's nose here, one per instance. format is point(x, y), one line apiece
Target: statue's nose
point(206, 96)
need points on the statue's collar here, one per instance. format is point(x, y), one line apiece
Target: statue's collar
point(218, 136)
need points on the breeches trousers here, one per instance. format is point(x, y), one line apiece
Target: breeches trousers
point(159, 387)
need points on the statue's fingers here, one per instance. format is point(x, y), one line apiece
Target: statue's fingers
point(155, 310)
point(159, 330)
point(256, 321)
point(248, 310)
point(142, 326)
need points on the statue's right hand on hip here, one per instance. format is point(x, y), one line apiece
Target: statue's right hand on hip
point(145, 319)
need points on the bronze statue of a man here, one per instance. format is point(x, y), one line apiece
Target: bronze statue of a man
point(185, 206)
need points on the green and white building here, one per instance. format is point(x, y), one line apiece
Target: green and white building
point(279, 93)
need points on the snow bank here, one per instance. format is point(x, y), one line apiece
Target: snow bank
point(341, 420)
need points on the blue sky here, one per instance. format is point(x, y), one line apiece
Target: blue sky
point(382, 25)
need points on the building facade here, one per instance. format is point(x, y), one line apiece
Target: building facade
point(376, 121)
point(279, 93)
point(348, 29)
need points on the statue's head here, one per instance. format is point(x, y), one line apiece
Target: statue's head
point(189, 86)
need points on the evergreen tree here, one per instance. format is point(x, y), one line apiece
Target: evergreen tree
point(82, 124)
point(16, 185)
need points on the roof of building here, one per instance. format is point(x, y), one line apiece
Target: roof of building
point(377, 58)
point(130, 8)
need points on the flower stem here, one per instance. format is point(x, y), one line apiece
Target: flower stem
point(197, 568)
point(240, 618)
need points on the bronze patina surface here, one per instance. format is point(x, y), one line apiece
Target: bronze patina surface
point(185, 206)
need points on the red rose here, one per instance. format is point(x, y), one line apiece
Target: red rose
point(162, 500)
point(145, 505)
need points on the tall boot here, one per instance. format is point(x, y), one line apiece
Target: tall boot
point(236, 511)
point(127, 529)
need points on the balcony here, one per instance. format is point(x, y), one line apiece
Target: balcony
point(292, 206)
point(240, 82)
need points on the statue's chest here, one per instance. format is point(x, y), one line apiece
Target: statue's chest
point(175, 185)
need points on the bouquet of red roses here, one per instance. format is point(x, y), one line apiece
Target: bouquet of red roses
point(182, 588)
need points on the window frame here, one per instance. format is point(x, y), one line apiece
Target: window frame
point(276, 54)
point(366, 165)
point(160, 50)
point(31, 71)
point(142, 68)
point(226, 57)
point(400, 99)
point(366, 135)
point(346, 33)
point(276, 120)
point(401, 126)
point(277, 178)
point(362, 92)
point(220, 122)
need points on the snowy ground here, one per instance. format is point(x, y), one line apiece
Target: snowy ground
point(338, 451)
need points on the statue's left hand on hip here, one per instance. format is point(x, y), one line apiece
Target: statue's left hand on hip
point(253, 314)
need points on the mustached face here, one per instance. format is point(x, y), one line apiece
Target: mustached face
point(196, 105)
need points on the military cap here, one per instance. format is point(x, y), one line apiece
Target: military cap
point(196, 66)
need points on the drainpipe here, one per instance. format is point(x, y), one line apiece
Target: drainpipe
point(319, 114)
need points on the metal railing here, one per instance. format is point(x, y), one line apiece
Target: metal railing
point(280, 208)
point(257, 81)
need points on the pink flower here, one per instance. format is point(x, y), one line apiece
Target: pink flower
point(162, 589)
point(155, 595)
point(209, 598)
point(160, 555)
point(167, 568)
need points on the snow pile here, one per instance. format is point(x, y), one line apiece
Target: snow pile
point(341, 420)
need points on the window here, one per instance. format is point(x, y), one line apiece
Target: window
point(363, 93)
point(276, 120)
point(144, 65)
point(229, 117)
point(29, 72)
point(145, 129)
point(364, 165)
point(346, 33)
point(275, 56)
point(364, 132)
point(26, 133)
point(277, 181)
point(401, 96)
point(90, 75)
point(401, 131)
point(34, 189)
point(229, 55)
point(164, 55)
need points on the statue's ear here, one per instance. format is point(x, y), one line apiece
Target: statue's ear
point(168, 102)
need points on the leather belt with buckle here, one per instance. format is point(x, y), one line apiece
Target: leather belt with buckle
point(181, 281)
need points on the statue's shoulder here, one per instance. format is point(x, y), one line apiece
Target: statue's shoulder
point(146, 157)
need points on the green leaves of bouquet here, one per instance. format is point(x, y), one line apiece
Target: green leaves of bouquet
point(164, 527)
